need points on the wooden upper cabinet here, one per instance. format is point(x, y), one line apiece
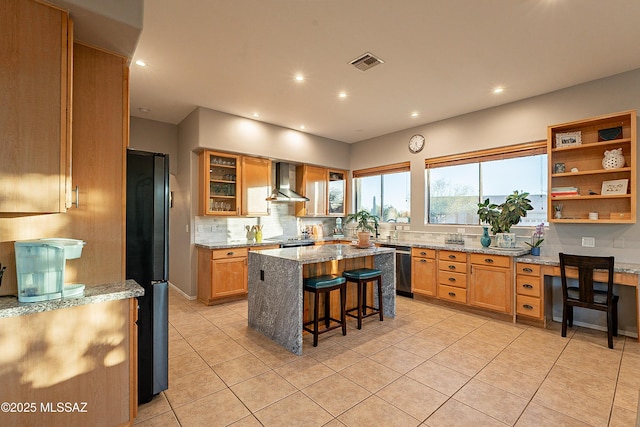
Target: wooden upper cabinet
point(579, 183)
point(220, 180)
point(101, 134)
point(35, 117)
point(256, 186)
point(337, 195)
point(312, 183)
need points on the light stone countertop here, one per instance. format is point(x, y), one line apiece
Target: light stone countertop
point(11, 307)
point(492, 250)
point(322, 253)
point(619, 267)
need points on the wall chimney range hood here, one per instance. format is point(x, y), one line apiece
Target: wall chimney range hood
point(282, 191)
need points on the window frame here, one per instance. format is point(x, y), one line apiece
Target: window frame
point(378, 171)
point(479, 156)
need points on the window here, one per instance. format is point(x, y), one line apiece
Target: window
point(385, 192)
point(456, 184)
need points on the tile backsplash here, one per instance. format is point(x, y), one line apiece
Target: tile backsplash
point(281, 224)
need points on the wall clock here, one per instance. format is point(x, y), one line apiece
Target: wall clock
point(416, 143)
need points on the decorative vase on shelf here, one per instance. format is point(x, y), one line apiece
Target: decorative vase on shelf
point(535, 251)
point(485, 239)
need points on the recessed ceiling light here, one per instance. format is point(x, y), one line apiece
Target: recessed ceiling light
point(299, 77)
point(302, 127)
point(342, 95)
point(256, 115)
point(141, 63)
point(498, 90)
point(415, 114)
point(144, 110)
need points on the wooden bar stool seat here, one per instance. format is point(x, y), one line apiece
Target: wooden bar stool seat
point(324, 285)
point(361, 277)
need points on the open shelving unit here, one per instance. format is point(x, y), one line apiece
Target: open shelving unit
point(589, 174)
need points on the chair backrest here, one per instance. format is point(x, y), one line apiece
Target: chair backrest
point(585, 266)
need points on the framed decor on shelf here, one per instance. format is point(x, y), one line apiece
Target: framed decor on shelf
point(568, 139)
point(616, 186)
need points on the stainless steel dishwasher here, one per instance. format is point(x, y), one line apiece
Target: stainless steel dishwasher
point(403, 269)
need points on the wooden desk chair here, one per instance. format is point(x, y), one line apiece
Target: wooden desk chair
point(584, 295)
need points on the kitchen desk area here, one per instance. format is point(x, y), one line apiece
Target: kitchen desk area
point(275, 291)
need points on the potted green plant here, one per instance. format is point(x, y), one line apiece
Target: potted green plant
point(501, 217)
point(365, 223)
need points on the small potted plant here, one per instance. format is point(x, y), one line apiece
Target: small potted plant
point(365, 223)
point(502, 217)
point(536, 240)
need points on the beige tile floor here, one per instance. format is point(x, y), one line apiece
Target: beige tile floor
point(430, 366)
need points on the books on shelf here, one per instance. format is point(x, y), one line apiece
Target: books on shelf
point(564, 191)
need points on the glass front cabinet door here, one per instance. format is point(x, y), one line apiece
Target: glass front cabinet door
point(337, 189)
point(219, 177)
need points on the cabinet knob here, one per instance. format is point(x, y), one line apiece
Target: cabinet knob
point(423, 260)
point(452, 267)
point(527, 286)
point(452, 294)
point(488, 260)
point(527, 306)
point(423, 253)
point(453, 257)
point(452, 279)
point(527, 270)
point(229, 253)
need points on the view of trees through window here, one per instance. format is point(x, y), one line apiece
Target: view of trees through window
point(453, 192)
point(388, 196)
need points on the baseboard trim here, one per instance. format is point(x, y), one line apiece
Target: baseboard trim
point(597, 327)
point(181, 292)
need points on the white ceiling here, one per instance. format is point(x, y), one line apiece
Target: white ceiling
point(442, 58)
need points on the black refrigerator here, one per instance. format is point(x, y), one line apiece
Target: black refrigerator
point(147, 255)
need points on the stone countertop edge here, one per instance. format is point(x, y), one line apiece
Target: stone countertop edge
point(423, 245)
point(619, 267)
point(11, 307)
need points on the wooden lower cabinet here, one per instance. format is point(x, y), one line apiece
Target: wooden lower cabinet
point(222, 274)
point(423, 272)
point(529, 292)
point(490, 284)
point(83, 358)
point(452, 276)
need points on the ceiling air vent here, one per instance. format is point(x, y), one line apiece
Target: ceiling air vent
point(366, 61)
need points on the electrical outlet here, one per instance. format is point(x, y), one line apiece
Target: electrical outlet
point(589, 242)
point(187, 228)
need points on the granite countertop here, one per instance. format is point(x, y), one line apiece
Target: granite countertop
point(224, 244)
point(322, 253)
point(11, 307)
point(619, 267)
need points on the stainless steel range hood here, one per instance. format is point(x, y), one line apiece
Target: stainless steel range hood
point(282, 191)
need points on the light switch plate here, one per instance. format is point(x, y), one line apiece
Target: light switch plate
point(589, 242)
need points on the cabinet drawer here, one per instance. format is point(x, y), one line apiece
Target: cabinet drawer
point(423, 253)
point(452, 256)
point(459, 280)
point(528, 269)
point(452, 294)
point(494, 260)
point(528, 306)
point(451, 266)
point(528, 285)
point(229, 253)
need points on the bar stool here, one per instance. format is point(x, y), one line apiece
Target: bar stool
point(362, 276)
point(324, 285)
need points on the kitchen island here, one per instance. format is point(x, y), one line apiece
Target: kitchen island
point(276, 295)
